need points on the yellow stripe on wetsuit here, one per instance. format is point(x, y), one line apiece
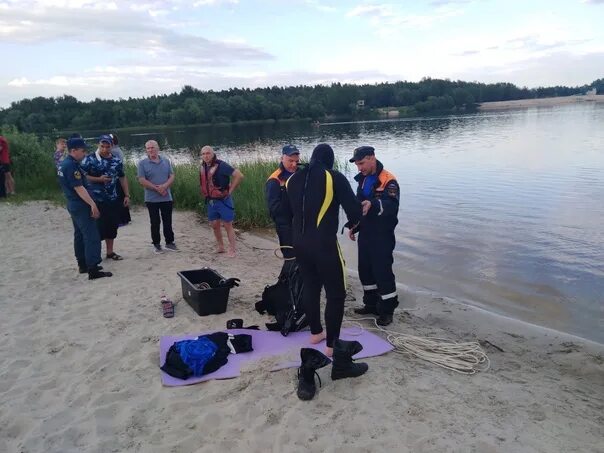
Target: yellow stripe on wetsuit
point(328, 197)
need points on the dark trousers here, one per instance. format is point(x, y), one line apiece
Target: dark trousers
point(323, 266)
point(165, 209)
point(86, 239)
point(375, 271)
point(124, 210)
point(2, 182)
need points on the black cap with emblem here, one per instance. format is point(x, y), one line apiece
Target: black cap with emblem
point(361, 152)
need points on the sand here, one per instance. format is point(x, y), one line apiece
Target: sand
point(79, 363)
point(543, 102)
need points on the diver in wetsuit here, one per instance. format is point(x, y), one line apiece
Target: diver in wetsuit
point(315, 194)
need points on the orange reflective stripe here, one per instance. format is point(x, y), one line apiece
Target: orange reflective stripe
point(275, 175)
point(384, 178)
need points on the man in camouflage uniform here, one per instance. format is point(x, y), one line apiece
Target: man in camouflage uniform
point(104, 171)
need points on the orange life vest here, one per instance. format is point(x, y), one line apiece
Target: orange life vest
point(209, 189)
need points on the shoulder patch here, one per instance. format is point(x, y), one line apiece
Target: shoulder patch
point(77, 175)
point(392, 189)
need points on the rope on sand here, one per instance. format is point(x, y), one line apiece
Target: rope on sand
point(461, 357)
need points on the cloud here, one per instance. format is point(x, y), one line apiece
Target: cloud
point(527, 43)
point(594, 2)
point(319, 6)
point(123, 29)
point(387, 19)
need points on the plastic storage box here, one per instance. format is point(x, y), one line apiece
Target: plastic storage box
point(205, 302)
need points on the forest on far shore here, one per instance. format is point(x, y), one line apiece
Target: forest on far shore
point(192, 106)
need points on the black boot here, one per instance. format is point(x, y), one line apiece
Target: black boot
point(82, 269)
point(343, 365)
point(312, 360)
point(95, 273)
point(386, 310)
point(370, 302)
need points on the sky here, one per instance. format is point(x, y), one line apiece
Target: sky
point(132, 48)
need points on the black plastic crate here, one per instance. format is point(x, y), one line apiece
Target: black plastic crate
point(205, 302)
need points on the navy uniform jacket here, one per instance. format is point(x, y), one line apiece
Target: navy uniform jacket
point(384, 197)
point(276, 196)
point(95, 165)
point(70, 176)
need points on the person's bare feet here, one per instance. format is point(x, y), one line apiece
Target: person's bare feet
point(219, 250)
point(231, 253)
point(317, 338)
point(329, 352)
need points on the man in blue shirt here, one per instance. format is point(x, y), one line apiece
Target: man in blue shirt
point(104, 171)
point(83, 211)
point(156, 175)
point(218, 181)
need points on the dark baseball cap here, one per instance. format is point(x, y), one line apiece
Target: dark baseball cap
point(76, 143)
point(106, 138)
point(289, 150)
point(361, 152)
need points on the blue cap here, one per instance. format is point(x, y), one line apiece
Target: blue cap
point(76, 143)
point(289, 150)
point(106, 138)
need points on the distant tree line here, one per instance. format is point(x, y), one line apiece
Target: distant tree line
point(193, 106)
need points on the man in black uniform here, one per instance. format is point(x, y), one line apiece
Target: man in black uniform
point(278, 204)
point(376, 235)
point(83, 211)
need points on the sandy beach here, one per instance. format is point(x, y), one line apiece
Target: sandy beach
point(79, 368)
point(543, 102)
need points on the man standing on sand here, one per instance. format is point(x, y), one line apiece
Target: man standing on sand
point(376, 235)
point(7, 183)
point(83, 211)
point(156, 175)
point(104, 171)
point(278, 204)
point(218, 181)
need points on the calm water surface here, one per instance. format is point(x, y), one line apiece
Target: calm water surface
point(503, 210)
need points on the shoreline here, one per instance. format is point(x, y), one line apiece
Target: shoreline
point(80, 362)
point(541, 102)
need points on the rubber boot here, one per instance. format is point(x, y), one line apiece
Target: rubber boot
point(312, 360)
point(343, 365)
point(370, 302)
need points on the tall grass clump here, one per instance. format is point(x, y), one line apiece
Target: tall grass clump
point(32, 165)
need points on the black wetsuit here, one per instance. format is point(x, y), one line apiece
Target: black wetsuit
point(315, 194)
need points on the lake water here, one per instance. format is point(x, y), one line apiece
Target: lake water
point(502, 210)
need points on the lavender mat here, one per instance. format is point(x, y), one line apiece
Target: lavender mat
point(270, 344)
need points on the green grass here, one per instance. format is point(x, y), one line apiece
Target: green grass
point(36, 179)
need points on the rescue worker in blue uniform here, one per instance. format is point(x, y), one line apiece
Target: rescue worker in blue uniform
point(376, 235)
point(83, 211)
point(315, 194)
point(278, 204)
point(103, 172)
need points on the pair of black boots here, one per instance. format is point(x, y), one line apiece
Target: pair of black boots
point(94, 272)
point(343, 366)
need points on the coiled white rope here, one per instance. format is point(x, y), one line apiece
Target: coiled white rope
point(465, 357)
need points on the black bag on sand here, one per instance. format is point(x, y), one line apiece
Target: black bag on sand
point(283, 300)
